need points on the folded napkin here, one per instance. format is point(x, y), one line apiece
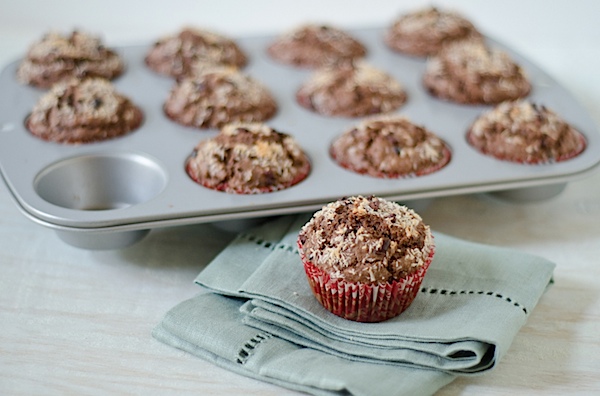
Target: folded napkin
point(210, 327)
point(260, 318)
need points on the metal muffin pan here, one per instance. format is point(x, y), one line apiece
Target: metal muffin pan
point(109, 194)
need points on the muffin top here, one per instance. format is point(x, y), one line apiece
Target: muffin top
point(175, 55)
point(525, 132)
point(58, 57)
point(248, 158)
point(315, 45)
point(351, 89)
point(367, 240)
point(470, 72)
point(83, 111)
point(424, 32)
point(390, 146)
point(217, 96)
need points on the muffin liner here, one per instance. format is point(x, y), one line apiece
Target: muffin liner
point(364, 302)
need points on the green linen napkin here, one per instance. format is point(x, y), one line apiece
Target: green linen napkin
point(210, 326)
point(473, 301)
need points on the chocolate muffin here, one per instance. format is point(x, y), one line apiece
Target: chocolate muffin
point(315, 45)
point(424, 32)
point(83, 111)
point(525, 132)
point(365, 257)
point(351, 89)
point(59, 57)
point(469, 72)
point(174, 55)
point(248, 158)
point(218, 96)
point(390, 147)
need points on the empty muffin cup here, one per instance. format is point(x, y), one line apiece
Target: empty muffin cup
point(101, 181)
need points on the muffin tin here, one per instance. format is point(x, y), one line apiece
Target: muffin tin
point(110, 194)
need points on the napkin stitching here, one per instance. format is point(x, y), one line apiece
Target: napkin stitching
point(248, 348)
point(269, 245)
point(479, 292)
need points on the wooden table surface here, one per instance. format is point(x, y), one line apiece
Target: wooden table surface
point(74, 321)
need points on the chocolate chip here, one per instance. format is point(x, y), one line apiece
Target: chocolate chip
point(70, 100)
point(374, 202)
point(269, 178)
point(384, 246)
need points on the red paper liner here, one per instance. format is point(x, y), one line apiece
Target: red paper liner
point(364, 302)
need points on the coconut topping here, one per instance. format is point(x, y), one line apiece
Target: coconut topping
point(57, 57)
point(468, 71)
point(315, 45)
point(432, 19)
point(80, 111)
point(176, 55)
point(366, 239)
point(217, 96)
point(424, 32)
point(351, 89)
point(522, 131)
point(248, 158)
point(390, 146)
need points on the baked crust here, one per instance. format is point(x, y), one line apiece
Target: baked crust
point(424, 32)
point(351, 89)
point(470, 72)
point(314, 45)
point(525, 132)
point(390, 146)
point(83, 111)
point(367, 240)
point(175, 55)
point(58, 57)
point(218, 96)
point(248, 158)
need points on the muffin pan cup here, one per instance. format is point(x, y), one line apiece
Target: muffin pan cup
point(109, 194)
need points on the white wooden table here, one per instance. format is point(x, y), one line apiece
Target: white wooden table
point(78, 322)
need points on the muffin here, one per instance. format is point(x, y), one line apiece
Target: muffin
point(248, 158)
point(313, 45)
point(218, 96)
point(424, 32)
point(525, 132)
point(83, 111)
point(469, 72)
point(59, 57)
point(390, 147)
point(351, 89)
point(365, 257)
point(174, 55)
